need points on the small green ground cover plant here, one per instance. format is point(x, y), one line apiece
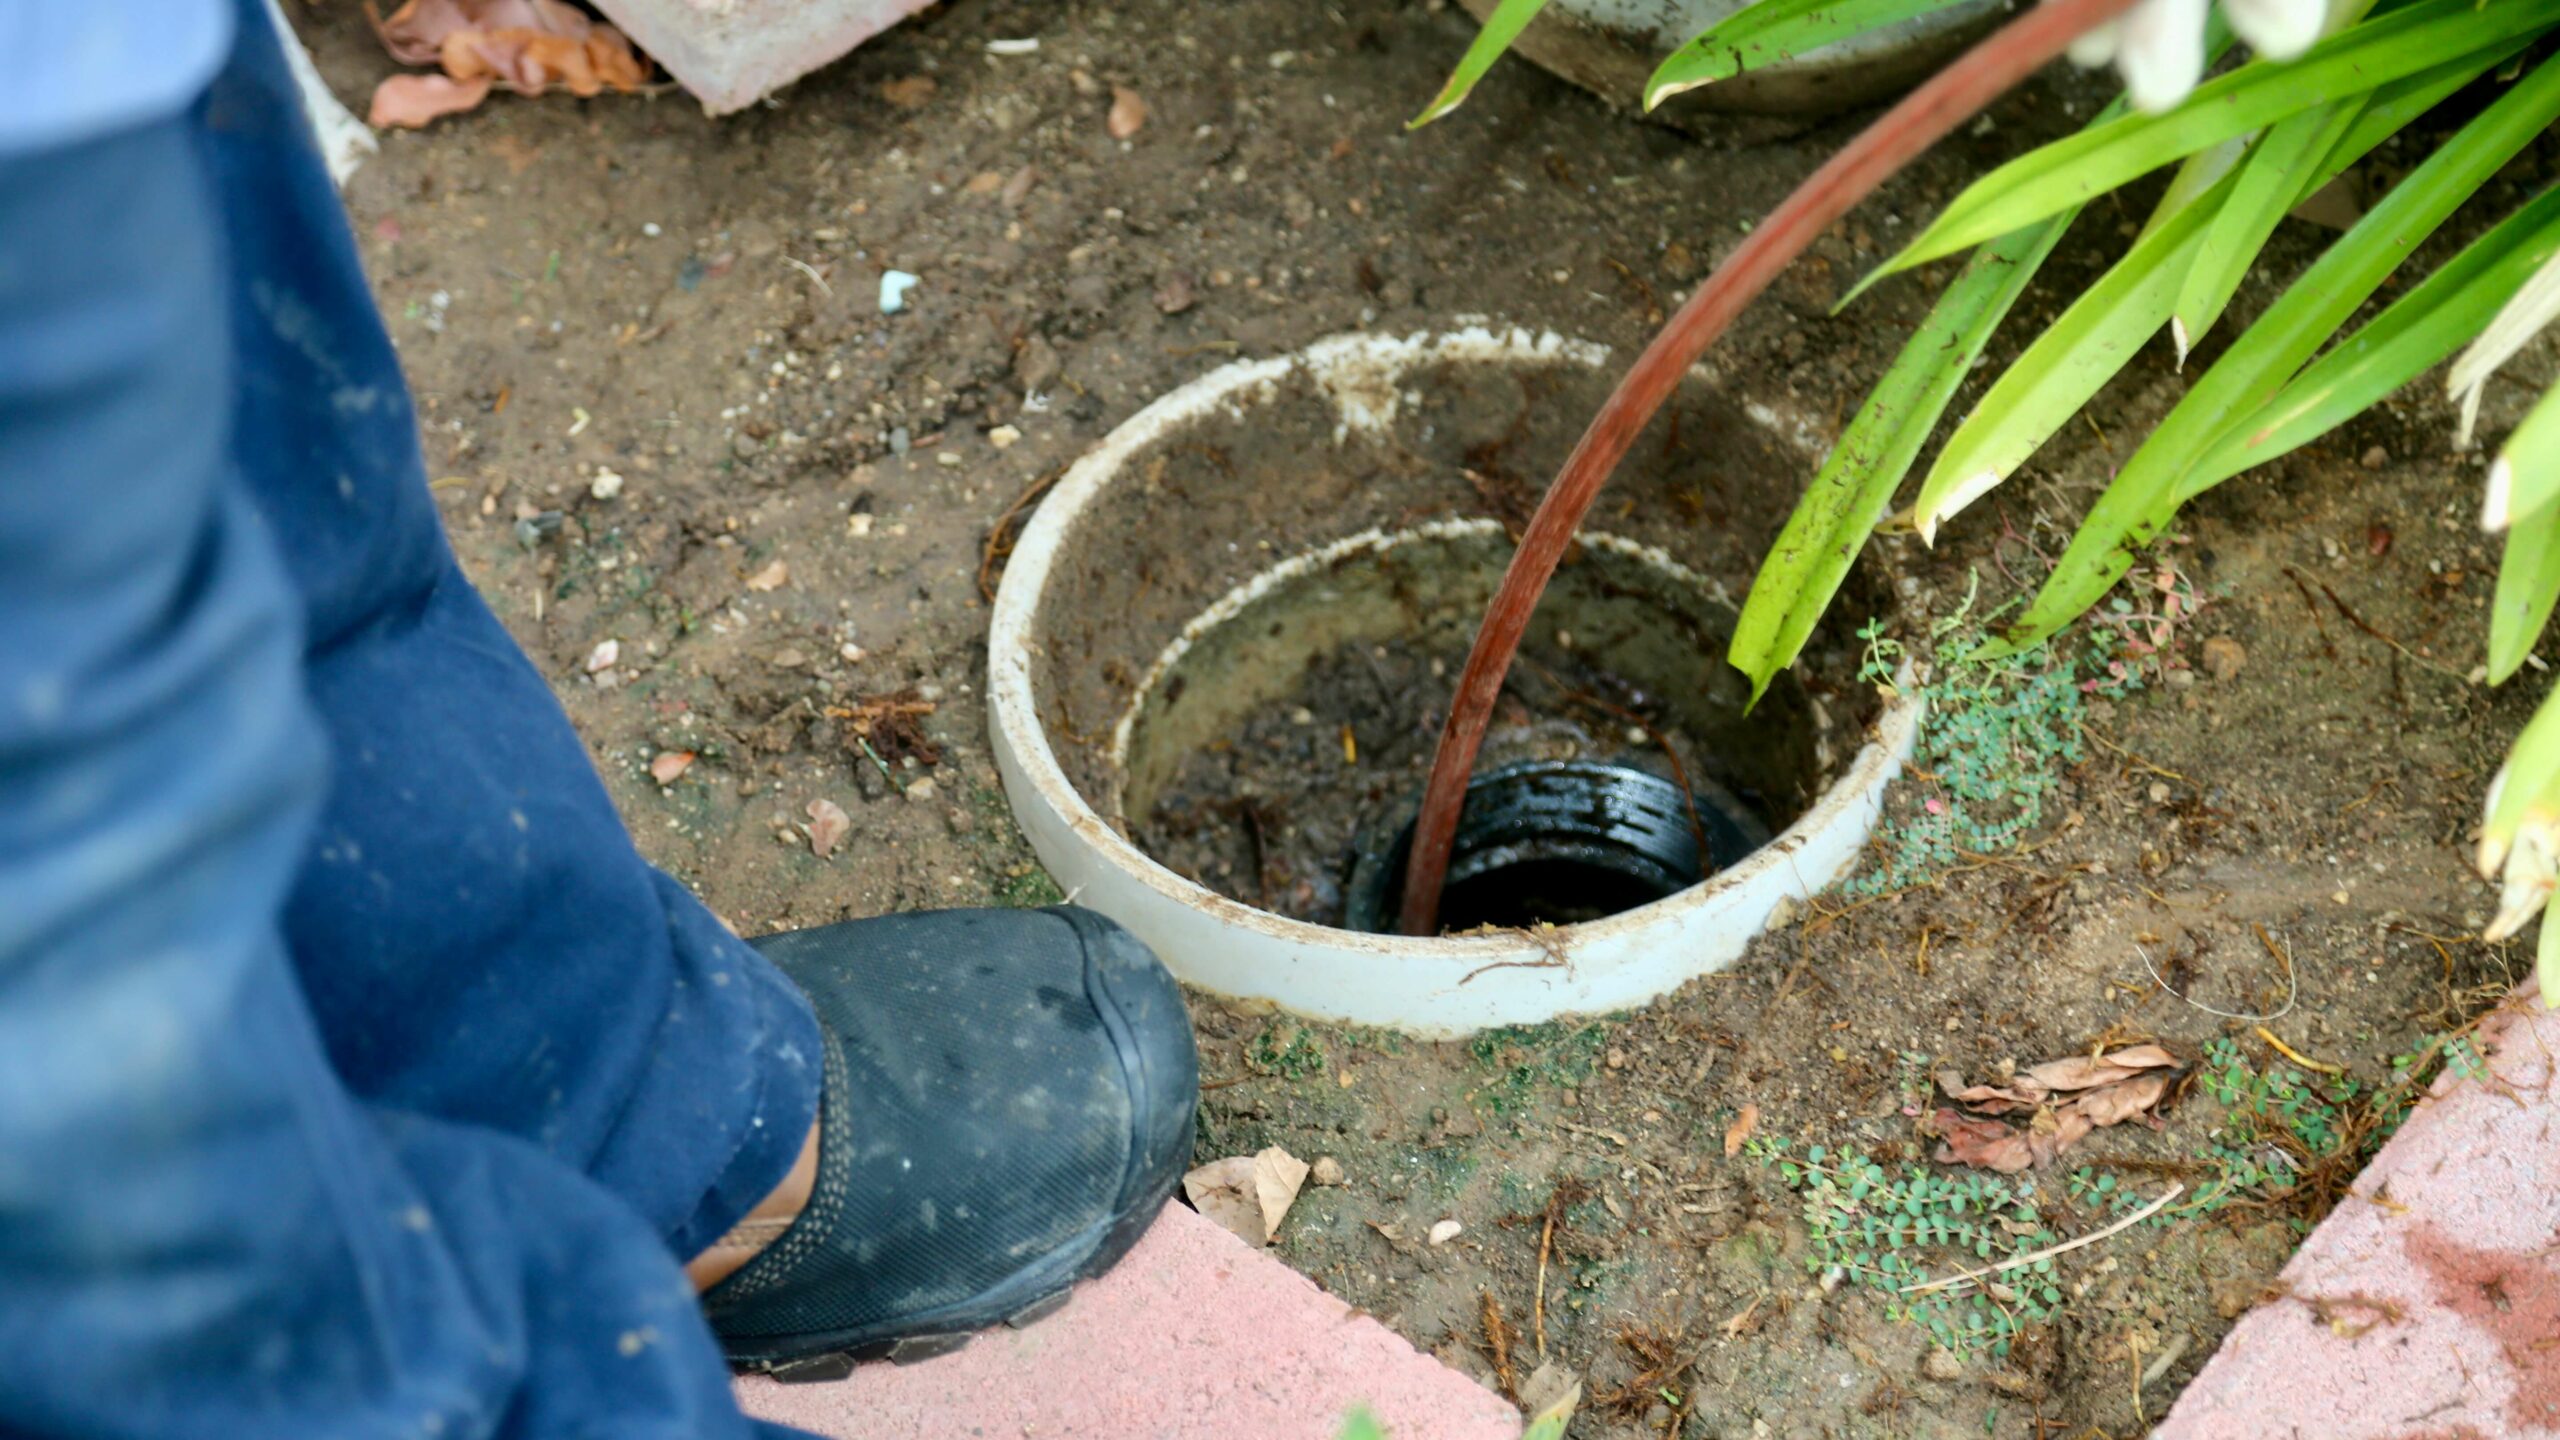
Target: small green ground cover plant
point(2286, 1142)
point(1885, 1232)
point(1525, 1059)
point(1288, 1050)
point(1995, 737)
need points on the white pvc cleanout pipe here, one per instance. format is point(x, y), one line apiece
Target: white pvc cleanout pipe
point(1438, 987)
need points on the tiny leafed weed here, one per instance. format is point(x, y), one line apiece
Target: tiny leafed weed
point(1528, 1058)
point(2287, 1137)
point(1288, 1051)
point(2284, 1140)
point(1029, 890)
point(1995, 737)
point(1883, 1231)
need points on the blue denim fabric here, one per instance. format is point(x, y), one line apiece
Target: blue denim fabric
point(357, 1078)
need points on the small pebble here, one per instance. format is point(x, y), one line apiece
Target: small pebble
point(1003, 437)
point(2159, 792)
point(1444, 1231)
point(921, 791)
point(1327, 1171)
point(2223, 657)
point(601, 658)
point(1941, 1364)
point(1302, 716)
point(894, 285)
point(2376, 458)
point(606, 485)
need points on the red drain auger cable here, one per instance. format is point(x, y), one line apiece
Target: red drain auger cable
point(1950, 97)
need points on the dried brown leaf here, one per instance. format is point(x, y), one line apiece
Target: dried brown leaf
point(1989, 1144)
point(910, 92)
point(827, 827)
point(2062, 1101)
point(1247, 1195)
point(529, 46)
point(771, 577)
point(1738, 1134)
point(2083, 1072)
point(2115, 1104)
point(2041, 1083)
point(409, 102)
point(1128, 113)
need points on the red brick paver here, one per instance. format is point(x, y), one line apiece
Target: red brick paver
point(2427, 1306)
point(1195, 1335)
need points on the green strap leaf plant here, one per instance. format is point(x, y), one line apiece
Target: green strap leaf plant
point(2068, 363)
point(1504, 26)
point(1855, 486)
point(2143, 497)
point(2527, 470)
point(2528, 581)
point(2268, 185)
point(2100, 332)
point(2073, 170)
point(2419, 329)
point(2526, 473)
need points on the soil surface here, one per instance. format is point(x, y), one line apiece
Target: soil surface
point(742, 519)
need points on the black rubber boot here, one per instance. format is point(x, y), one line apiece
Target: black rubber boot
point(1008, 1103)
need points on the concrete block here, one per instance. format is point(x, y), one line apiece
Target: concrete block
point(731, 53)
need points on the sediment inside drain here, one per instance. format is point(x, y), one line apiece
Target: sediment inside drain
point(1256, 757)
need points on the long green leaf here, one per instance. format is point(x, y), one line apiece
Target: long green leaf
point(2100, 333)
point(2529, 784)
point(1768, 31)
point(1840, 509)
point(1504, 26)
point(2528, 465)
point(1854, 488)
point(2419, 329)
point(2073, 170)
point(2146, 493)
point(2394, 105)
point(2270, 183)
point(2546, 962)
point(2196, 175)
point(2528, 581)
point(2076, 355)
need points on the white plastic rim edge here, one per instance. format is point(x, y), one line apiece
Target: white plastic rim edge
point(1442, 987)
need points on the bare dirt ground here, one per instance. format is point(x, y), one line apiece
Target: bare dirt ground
point(789, 576)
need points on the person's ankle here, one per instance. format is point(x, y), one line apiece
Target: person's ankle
point(762, 1226)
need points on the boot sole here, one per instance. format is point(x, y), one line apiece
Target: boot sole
point(837, 1355)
